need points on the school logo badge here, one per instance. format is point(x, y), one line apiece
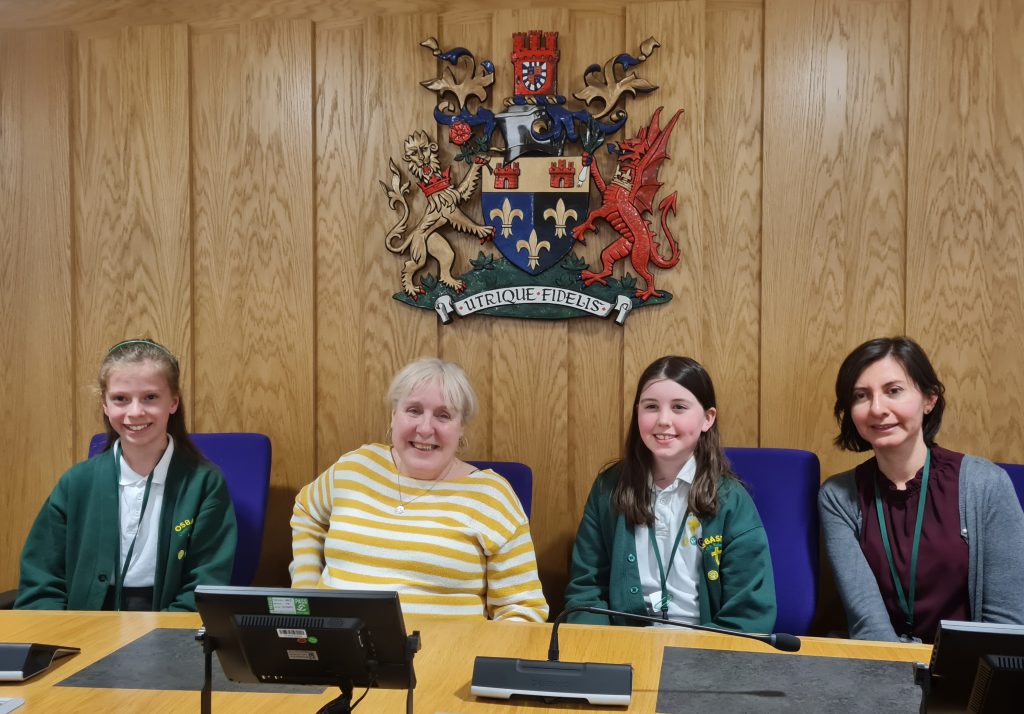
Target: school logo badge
point(520, 181)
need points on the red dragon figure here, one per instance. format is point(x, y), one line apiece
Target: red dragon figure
point(625, 201)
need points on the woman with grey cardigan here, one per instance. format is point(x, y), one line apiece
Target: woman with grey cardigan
point(916, 534)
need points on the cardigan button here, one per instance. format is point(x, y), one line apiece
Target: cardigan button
point(103, 578)
point(631, 558)
point(634, 590)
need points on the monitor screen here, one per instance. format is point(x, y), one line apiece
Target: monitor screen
point(288, 636)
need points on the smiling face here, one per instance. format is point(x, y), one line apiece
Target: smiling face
point(671, 420)
point(425, 432)
point(888, 408)
point(138, 402)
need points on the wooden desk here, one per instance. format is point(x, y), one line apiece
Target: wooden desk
point(443, 667)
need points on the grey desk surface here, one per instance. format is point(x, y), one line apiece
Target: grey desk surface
point(168, 659)
point(720, 681)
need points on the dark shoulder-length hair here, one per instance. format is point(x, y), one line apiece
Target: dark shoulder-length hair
point(632, 496)
point(146, 350)
point(918, 368)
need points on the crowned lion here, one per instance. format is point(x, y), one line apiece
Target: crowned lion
point(424, 240)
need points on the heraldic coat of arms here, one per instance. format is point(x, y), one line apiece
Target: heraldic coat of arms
point(532, 166)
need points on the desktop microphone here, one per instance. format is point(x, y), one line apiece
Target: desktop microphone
point(599, 684)
point(779, 640)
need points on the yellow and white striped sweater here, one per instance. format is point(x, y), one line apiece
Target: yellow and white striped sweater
point(461, 547)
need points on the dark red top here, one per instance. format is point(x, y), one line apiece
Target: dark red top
point(942, 557)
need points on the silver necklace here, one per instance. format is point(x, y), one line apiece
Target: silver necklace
point(400, 508)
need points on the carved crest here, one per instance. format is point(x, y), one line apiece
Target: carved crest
point(532, 165)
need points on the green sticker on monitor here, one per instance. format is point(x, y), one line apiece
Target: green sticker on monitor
point(288, 605)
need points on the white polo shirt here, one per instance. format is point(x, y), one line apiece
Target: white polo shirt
point(132, 487)
point(670, 508)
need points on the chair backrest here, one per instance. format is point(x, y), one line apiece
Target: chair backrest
point(244, 459)
point(1016, 472)
point(784, 485)
point(519, 477)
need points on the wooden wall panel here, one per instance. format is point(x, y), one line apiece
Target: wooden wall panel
point(834, 181)
point(730, 298)
point(1005, 384)
point(119, 13)
point(132, 263)
point(676, 327)
point(802, 302)
point(346, 200)
point(254, 269)
point(875, 171)
point(37, 410)
point(965, 208)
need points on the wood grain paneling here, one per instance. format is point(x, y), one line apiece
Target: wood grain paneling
point(1005, 384)
point(119, 13)
point(833, 182)
point(38, 407)
point(875, 171)
point(346, 199)
point(674, 328)
point(802, 242)
point(964, 216)
point(132, 263)
point(254, 266)
point(730, 298)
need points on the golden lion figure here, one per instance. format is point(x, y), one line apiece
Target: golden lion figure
point(424, 240)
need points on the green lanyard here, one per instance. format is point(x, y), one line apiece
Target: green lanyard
point(665, 597)
point(131, 548)
point(906, 603)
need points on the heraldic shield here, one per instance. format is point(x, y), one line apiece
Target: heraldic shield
point(533, 203)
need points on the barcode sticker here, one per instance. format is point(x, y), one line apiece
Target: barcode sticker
point(291, 634)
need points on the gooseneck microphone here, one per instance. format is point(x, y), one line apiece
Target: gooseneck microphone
point(779, 640)
point(599, 684)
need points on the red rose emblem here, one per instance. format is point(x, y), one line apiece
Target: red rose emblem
point(459, 133)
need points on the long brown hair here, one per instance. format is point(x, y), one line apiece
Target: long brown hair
point(146, 350)
point(632, 496)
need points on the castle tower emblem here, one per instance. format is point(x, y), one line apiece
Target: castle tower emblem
point(535, 62)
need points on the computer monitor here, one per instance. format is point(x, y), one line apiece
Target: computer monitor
point(958, 647)
point(325, 637)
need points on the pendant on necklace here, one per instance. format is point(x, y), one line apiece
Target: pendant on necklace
point(399, 509)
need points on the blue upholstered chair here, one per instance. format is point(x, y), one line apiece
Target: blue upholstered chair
point(518, 475)
point(244, 459)
point(1016, 472)
point(784, 485)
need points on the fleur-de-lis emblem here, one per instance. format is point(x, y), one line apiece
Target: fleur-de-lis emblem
point(507, 214)
point(561, 216)
point(533, 246)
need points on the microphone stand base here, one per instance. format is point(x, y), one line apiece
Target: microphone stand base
point(598, 684)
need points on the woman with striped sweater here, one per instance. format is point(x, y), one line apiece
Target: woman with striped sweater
point(410, 516)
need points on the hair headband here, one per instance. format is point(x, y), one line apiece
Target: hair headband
point(149, 343)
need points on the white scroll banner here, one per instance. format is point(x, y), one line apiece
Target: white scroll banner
point(532, 295)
